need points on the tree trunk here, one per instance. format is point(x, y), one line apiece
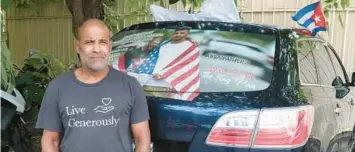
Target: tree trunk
point(82, 10)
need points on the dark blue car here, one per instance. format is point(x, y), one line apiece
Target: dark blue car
point(228, 87)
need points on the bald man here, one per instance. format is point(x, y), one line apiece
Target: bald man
point(94, 108)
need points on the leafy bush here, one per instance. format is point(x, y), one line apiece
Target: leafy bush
point(32, 81)
point(7, 72)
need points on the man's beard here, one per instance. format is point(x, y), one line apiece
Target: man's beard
point(97, 65)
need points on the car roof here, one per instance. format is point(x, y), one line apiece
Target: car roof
point(279, 27)
point(255, 27)
point(202, 22)
point(204, 25)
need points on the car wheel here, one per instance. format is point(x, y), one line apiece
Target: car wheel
point(312, 145)
point(342, 144)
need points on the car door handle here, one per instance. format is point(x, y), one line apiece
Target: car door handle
point(337, 110)
point(352, 102)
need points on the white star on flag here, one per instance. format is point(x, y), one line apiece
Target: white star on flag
point(317, 19)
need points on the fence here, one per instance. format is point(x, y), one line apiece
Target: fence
point(279, 12)
point(47, 27)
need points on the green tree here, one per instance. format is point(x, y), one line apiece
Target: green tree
point(7, 71)
point(82, 10)
point(105, 9)
point(335, 4)
point(79, 9)
point(85, 9)
point(195, 4)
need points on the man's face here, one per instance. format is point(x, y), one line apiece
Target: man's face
point(180, 35)
point(152, 44)
point(94, 47)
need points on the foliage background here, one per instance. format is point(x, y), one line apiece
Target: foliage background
point(117, 14)
point(44, 27)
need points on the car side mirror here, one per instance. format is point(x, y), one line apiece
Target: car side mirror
point(352, 83)
point(337, 82)
point(340, 87)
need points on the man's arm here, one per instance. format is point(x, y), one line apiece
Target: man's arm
point(139, 118)
point(50, 141)
point(49, 120)
point(141, 135)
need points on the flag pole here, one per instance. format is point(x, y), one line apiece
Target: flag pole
point(326, 25)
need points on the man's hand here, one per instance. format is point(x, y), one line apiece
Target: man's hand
point(158, 77)
point(50, 141)
point(141, 134)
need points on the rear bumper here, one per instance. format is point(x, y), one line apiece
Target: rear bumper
point(198, 145)
point(183, 147)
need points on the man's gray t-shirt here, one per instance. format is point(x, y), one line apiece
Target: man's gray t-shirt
point(93, 117)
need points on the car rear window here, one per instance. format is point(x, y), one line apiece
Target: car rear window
point(185, 60)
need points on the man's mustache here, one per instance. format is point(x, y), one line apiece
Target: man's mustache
point(98, 56)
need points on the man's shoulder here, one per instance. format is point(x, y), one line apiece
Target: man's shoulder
point(63, 78)
point(119, 75)
point(165, 42)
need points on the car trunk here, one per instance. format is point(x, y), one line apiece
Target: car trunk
point(184, 126)
point(193, 74)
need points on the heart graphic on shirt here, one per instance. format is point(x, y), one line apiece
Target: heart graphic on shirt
point(106, 101)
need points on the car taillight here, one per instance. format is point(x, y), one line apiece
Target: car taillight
point(289, 127)
point(233, 129)
point(272, 127)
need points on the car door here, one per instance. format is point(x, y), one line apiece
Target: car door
point(346, 94)
point(324, 125)
point(327, 74)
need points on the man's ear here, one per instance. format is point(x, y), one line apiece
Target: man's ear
point(77, 46)
point(77, 49)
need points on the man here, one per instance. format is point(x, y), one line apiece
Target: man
point(134, 57)
point(174, 64)
point(94, 108)
point(141, 54)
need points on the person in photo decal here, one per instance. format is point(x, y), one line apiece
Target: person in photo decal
point(135, 56)
point(142, 53)
point(174, 64)
point(94, 107)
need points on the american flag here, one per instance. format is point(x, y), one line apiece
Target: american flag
point(183, 73)
point(119, 63)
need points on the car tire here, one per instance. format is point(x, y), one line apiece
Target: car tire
point(341, 143)
point(313, 145)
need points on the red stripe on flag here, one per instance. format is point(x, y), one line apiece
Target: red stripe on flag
point(190, 84)
point(194, 95)
point(190, 49)
point(179, 66)
point(182, 77)
point(121, 62)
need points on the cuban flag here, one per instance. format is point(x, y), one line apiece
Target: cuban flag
point(311, 17)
